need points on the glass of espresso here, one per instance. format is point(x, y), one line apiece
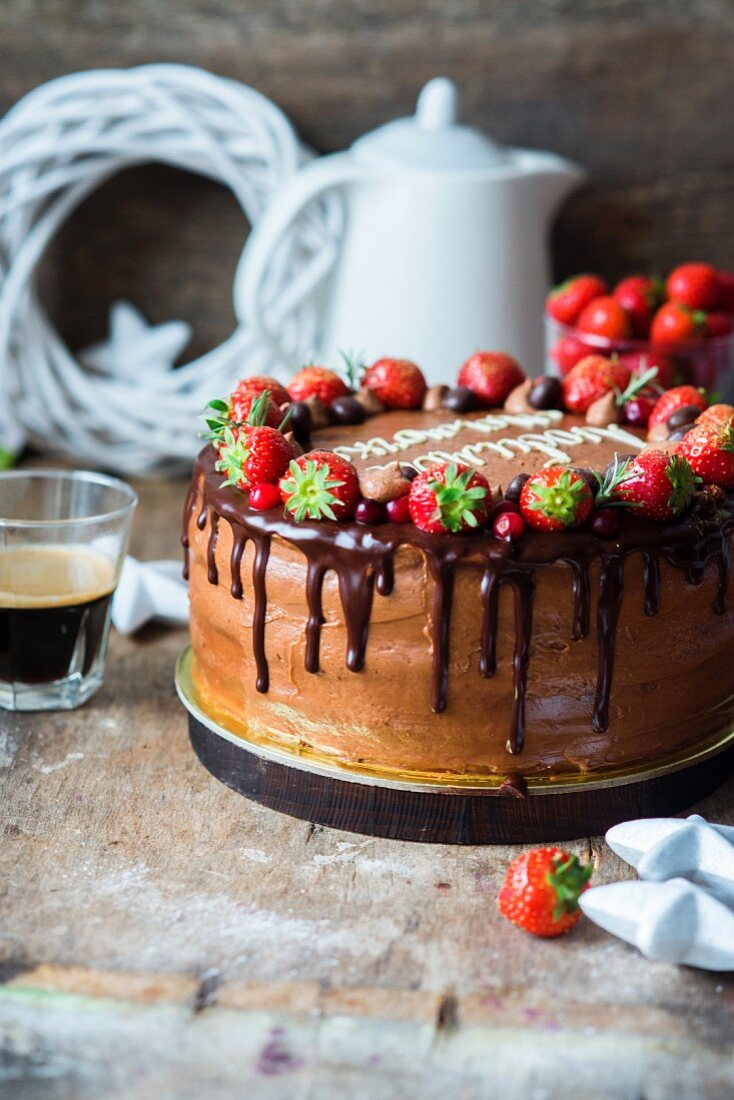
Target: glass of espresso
point(63, 539)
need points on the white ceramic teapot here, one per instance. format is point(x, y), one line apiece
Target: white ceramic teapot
point(444, 249)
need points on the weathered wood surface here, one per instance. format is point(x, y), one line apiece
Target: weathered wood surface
point(640, 91)
point(162, 937)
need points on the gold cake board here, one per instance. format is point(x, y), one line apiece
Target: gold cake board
point(437, 811)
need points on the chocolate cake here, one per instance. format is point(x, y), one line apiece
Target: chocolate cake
point(564, 656)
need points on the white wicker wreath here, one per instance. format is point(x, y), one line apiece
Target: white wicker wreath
point(60, 143)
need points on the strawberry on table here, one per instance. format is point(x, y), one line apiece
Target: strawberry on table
point(605, 317)
point(397, 383)
point(541, 891)
point(639, 295)
point(657, 485)
point(591, 379)
point(709, 450)
point(490, 375)
point(320, 485)
point(695, 285)
point(313, 381)
point(675, 323)
point(672, 400)
point(449, 497)
point(251, 455)
point(556, 498)
point(566, 301)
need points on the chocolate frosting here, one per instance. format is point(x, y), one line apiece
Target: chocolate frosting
point(363, 559)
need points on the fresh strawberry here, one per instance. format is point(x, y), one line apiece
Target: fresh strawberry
point(320, 485)
point(605, 317)
point(639, 295)
point(716, 414)
point(718, 324)
point(490, 375)
point(657, 485)
point(449, 497)
point(675, 323)
point(249, 456)
point(318, 382)
point(641, 361)
point(726, 290)
point(241, 404)
point(259, 383)
point(541, 891)
point(555, 498)
point(674, 399)
point(397, 383)
point(709, 448)
point(566, 301)
point(591, 379)
point(568, 351)
point(694, 285)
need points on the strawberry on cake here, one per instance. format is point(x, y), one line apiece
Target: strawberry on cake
point(502, 578)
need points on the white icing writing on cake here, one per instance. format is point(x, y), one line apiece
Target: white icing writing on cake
point(550, 441)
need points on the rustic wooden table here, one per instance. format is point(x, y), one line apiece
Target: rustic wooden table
point(162, 937)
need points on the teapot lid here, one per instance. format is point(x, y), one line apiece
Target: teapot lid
point(432, 138)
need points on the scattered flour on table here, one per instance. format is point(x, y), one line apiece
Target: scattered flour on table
point(38, 765)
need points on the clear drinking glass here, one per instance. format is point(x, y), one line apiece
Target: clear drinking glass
point(63, 539)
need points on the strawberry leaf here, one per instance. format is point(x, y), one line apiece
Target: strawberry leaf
point(308, 491)
point(567, 882)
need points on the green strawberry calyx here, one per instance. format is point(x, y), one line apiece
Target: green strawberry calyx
point(309, 492)
point(726, 436)
point(683, 481)
point(456, 503)
point(233, 454)
point(567, 882)
point(562, 499)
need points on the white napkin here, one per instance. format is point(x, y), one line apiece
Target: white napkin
point(149, 590)
point(683, 910)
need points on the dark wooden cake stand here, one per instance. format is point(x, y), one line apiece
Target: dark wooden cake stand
point(328, 794)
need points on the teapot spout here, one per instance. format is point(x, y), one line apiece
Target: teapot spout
point(555, 178)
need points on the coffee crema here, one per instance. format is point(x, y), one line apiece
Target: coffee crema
point(53, 576)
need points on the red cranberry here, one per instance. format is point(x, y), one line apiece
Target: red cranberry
point(637, 411)
point(264, 496)
point(605, 523)
point(509, 526)
point(369, 512)
point(398, 511)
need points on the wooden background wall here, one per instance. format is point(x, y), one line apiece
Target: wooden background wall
point(640, 91)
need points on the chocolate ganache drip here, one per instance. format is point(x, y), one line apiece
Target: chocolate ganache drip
point(364, 561)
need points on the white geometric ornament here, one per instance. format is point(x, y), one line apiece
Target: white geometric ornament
point(683, 910)
point(134, 348)
point(672, 921)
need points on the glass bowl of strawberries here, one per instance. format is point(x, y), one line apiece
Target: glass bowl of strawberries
point(683, 326)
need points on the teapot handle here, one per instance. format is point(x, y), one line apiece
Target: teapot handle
point(283, 210)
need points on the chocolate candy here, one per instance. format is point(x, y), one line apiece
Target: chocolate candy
point(680, 432)
point(546, 393)
point(300, 422)
point(605, 523)
point(513, 490)
point(686, 414)
point(347, 410)
point(409, 472)
point(460, 400)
